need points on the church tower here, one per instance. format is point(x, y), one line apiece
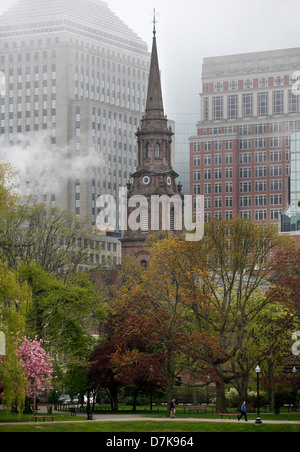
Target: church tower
point(154, 180)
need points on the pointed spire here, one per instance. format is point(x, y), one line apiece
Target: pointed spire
point(154, 105)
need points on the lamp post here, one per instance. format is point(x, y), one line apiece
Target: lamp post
point(258, 419)
point(294, 370)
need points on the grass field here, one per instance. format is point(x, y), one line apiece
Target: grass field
point(148, 426)
point(65, 423)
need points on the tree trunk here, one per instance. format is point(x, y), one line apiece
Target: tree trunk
point(271, 385)
point(244, 388)
point(169, 385)
point(135, 394)
point(220, 398)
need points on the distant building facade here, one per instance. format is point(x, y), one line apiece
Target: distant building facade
point(75, 90)
point(240, 157)
point(290, 224)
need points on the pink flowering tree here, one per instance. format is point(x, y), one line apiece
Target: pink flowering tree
point(25, 371)
point(38, 367)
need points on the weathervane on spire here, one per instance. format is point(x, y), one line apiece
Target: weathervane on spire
point(155, 15)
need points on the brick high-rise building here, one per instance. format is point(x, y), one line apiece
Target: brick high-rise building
point(240, 157)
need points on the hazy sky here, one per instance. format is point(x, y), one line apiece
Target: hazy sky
point(192, 29)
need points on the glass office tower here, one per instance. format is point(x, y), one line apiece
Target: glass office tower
point(291, 217)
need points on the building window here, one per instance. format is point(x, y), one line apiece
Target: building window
point(207, 160)
point(263, 99)
point(245, 172)
point(228, 173)
point(279, 81)
point(218, 188)
point(276, 185)
point(148, 151)
point(293, 103)
point(197, 175)
point(207, 189)
point(260, 200)
point(197, 147)
point(218, 173)
point(228, 187)
point(218, 159)
point(197, 189)
point(245, 201)
point(260, 157)
point(276, 199)
point(245, 187)
point(260, 185)
point(206, 108)
point(157, 151)
point(263, 82)
point(207, 146)
point(207, 174)
point(218, 86)
point(247, 105)
point(245, 158)
point(228, 145)
point(197, 160)
point(260, 215)
point(228, 159)
point(217, 108)
point(232, 106)
point(278, 102)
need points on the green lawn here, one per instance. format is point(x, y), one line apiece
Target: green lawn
point(148, 426)
point(76, 424)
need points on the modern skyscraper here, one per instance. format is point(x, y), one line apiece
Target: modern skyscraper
point(291, 217)
point(240, 157)
point(74, 82)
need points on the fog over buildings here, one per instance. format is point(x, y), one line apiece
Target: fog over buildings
point(98, 30)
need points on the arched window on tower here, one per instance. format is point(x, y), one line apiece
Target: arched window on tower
point(157, 151)
point(148, 151)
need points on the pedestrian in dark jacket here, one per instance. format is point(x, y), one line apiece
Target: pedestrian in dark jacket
point(243, 412)
point(172, 409)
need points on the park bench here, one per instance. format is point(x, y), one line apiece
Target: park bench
point(196, 407)
point(43, 417)
point(73, 411)
point(230, 415)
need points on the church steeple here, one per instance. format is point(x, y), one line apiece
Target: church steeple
point(154, 175)
point(154, 105)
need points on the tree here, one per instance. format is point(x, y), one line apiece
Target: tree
point(51, 238)
point(15, 299)
point(100, 372)
point(37, 366)
point(63, 312)
point(220, 285)
point(286, 278)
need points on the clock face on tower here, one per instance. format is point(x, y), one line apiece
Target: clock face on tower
point(169, 180)
point(146, 180)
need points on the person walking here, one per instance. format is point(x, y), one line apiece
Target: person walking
point(243, 412)
point(172, 409)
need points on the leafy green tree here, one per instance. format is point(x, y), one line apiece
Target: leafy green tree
point(53, 239)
